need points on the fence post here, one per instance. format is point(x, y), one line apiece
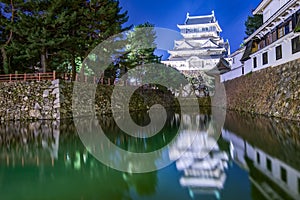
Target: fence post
point(9, 77)
point(39, 76)
point(54, 75)
point(24, 76)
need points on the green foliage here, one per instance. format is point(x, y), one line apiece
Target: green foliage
point(141, 46)
point(56, 34)
point(253, 23)
point(138, 51)
point(132, 50)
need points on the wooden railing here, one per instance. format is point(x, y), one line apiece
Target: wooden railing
point(96, 79)
point(27, 77)
point(52, 76)
point(63, 76)
point(86, 79)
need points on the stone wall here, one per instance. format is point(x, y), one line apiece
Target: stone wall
point(98, 99)
point(274, 91)
point(53, 100)
point(29, 100)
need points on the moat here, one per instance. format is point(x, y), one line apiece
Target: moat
point(247, 157)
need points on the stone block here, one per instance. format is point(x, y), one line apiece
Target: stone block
point(55, 82)
point(36, 114)
point(55, 91)
point(45, 93)
point(37, 106)
point(56, 106)
point(57, 101)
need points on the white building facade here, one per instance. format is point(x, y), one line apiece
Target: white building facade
point(274, 43)
point(201, 47)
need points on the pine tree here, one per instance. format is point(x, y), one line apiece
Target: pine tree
point(138, 52)
point(59, 33)
point(141, 46)
point(253, 23)
point(95, 22)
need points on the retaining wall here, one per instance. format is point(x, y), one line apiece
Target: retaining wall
point(273, 91)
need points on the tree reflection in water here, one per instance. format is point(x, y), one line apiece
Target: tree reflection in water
point(141, 145)
point(47, 160)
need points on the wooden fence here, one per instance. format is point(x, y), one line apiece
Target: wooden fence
point(54, 75)
point(27, 77)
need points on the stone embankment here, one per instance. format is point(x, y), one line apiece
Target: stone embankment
point(49, 100)
point(274, 91)
point(86, 99)
point(29, 100)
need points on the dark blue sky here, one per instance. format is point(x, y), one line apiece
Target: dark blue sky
point(231, 14)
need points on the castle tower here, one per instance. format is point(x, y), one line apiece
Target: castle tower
point(201, 47)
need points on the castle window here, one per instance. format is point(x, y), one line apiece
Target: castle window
point(269, 165)
point(262, 44)
point(212, 28)
point(283, 174)
point(269, 39)
point(298, 185)
point(287, 28)
point(274, 36)
point(290, 26)
point(296, 44)
point(254, 62)
point(280, 32)
point(265, 58)
point(278, 52)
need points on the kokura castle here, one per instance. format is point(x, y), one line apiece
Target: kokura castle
point(275, 42)
point(201, 47)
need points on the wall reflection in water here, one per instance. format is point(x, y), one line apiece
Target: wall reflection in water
point(269, 149)
point(22, 141)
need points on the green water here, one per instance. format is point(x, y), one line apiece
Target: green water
point(253, 158)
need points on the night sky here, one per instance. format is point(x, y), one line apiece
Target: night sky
point(231, 14)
